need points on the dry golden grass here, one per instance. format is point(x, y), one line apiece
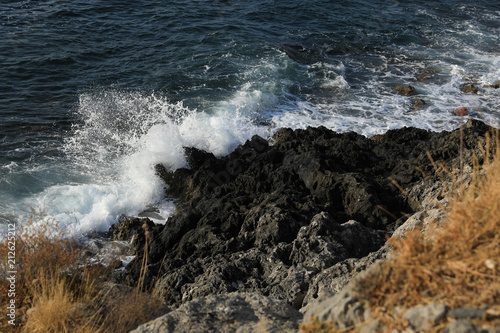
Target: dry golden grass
point(457, 263)
point(41, 251)
point(124, 312)
point(55, 292)
point(58, 309)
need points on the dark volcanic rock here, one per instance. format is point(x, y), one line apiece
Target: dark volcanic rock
point(272, 218)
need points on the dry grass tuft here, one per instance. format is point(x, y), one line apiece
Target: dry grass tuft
point(57, 309)
point(42, 253)
point(128, 309)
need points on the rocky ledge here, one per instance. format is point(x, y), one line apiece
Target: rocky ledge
point(283, 221)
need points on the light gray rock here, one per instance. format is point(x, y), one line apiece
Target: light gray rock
point(460, 326)
point(343, 309)
point(422, 318)
point(466, 312)
point(233, 312)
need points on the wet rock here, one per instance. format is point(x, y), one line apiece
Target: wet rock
point(425, 74)
point(469, 89)
point(419, 103)
point(406, 90)
point(130, 229)
point(196, 157)
point(233, 312)
point(152, 213)
point(127, 227)
point(302, 55)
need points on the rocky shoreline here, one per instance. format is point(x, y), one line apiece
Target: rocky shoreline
point(259, 235)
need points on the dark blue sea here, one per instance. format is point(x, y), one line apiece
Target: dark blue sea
point(94, 93)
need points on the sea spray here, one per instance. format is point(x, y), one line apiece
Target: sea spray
point(119, 139)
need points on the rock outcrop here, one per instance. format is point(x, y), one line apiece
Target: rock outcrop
point(290, 218)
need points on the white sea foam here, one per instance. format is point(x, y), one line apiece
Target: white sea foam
point(9, 167)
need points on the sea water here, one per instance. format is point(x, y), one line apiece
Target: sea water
point(93, 94)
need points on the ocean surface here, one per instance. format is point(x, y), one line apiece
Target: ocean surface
point(94, 93)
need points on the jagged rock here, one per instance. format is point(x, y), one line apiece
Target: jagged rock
point(301, 54)
point(195, 157)
point(425, 74)
point(103, 252)
point(233, 312)
point(406, 90)
point(336, 277)
point(127, 227)
point(151, 213)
